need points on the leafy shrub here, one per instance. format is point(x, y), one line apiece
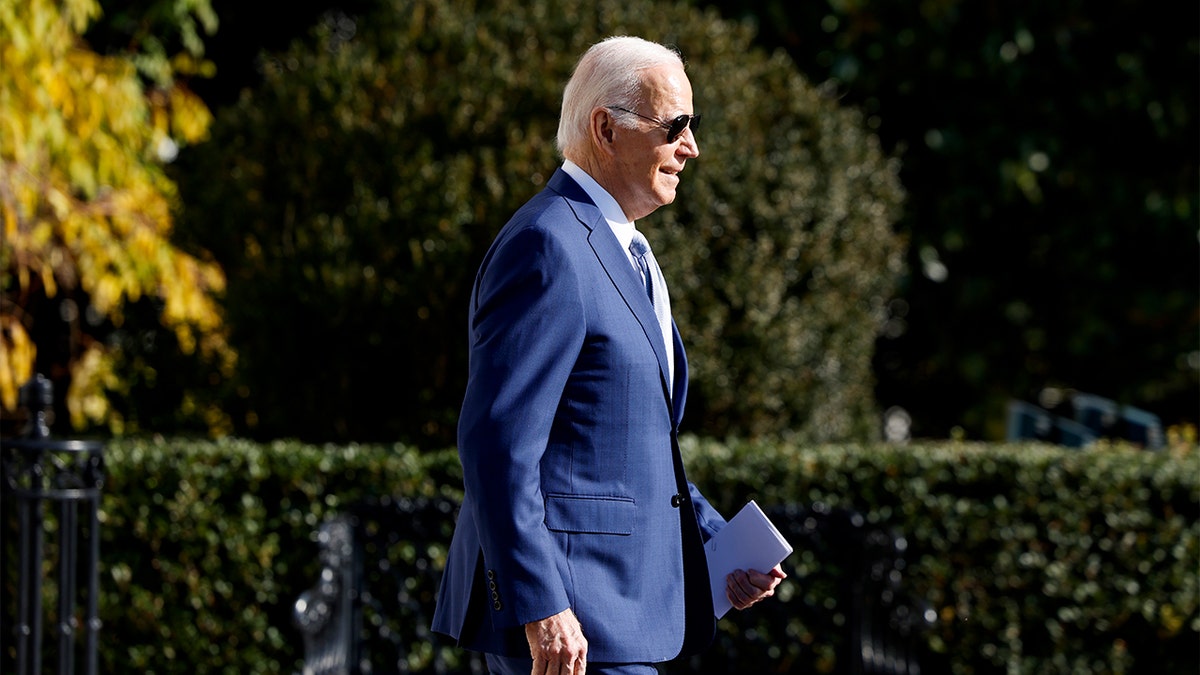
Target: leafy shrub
point(1034, 558)
point(206, 546)
point(350, 197)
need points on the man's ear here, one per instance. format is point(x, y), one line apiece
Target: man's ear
point(602, 130)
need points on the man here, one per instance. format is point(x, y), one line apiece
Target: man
point(580, 542)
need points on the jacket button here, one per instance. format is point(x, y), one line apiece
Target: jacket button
point(677, 500)
point(491, 574)
point(496, 605)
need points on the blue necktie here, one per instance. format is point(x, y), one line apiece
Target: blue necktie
point(656, 288)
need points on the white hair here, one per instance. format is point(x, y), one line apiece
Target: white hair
point(608, 74)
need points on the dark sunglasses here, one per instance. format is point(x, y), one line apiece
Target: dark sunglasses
point(674, 128)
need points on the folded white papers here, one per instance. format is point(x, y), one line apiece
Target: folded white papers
point(748, 542)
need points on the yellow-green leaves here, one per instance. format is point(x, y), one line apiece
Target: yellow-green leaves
point(86, 206)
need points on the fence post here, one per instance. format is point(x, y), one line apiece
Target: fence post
point(69, 473)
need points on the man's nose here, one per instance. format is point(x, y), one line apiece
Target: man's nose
point(690, 146)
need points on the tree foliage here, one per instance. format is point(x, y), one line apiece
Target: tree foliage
point(1049, 153)
point(350, 196)
point(87, 210)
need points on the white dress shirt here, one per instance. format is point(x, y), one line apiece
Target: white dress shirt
point(623, 229)
point(621, 226)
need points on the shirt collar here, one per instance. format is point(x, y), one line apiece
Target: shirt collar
point(621, 226)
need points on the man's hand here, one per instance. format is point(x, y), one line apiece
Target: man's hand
point(557, 645)
point(746, 587)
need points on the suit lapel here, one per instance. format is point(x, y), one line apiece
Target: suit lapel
point(616, 264)
point(629, 285)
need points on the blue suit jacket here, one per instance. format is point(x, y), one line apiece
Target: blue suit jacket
point(575, 494)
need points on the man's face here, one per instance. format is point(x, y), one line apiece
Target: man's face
point(647, 165)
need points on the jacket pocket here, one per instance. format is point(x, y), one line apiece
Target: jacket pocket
point(590, 514)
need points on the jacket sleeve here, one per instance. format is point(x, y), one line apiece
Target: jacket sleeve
point(526, 330)
point(707, 517)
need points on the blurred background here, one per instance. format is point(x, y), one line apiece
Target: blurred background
point(239, 237)
point(262, 219)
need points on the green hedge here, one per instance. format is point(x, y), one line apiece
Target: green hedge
point(1035, 558)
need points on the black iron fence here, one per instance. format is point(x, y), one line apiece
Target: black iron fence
point(51, 491)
